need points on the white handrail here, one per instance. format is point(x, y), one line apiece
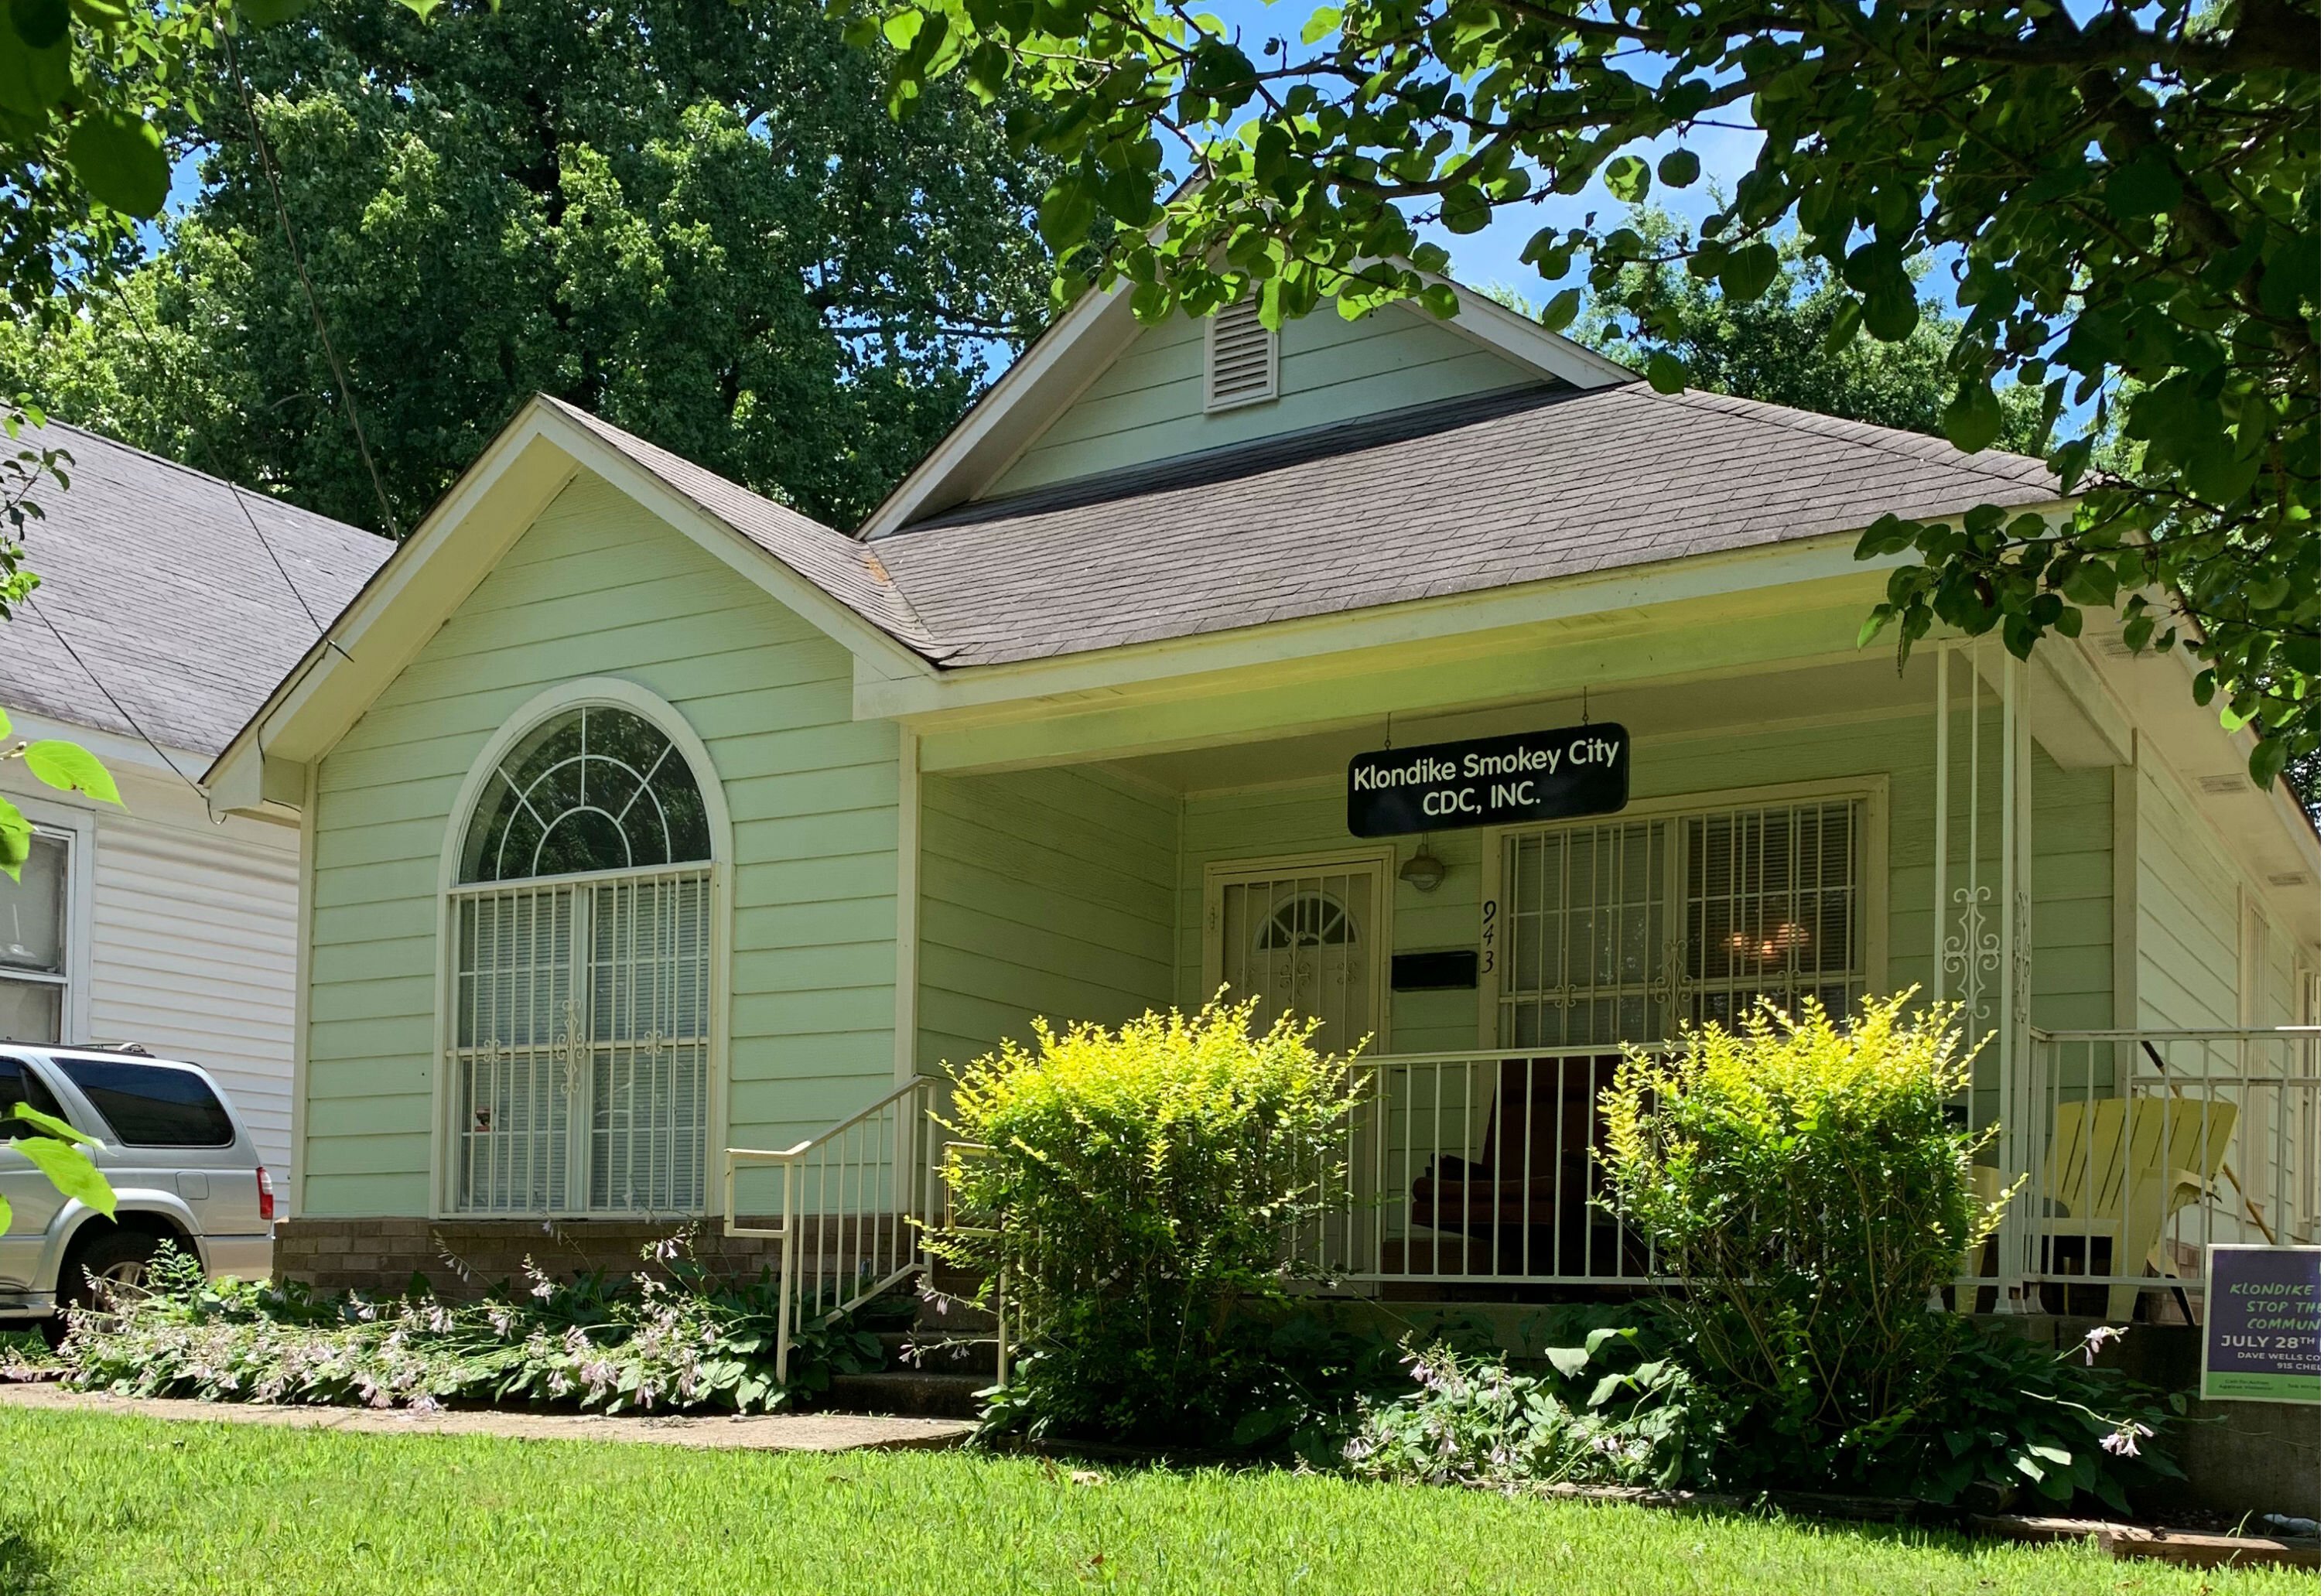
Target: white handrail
point(865, 1181)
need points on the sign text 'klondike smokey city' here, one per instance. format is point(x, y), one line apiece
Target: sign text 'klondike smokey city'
point(1490, 782)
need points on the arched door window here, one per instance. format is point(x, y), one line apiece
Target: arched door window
point(581, 975)
point(1302, 938)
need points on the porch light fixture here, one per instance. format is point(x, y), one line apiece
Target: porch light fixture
point(1424, 870)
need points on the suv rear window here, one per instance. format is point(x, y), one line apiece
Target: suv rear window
point(152, 1107)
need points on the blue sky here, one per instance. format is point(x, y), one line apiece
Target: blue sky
point(1490, 256)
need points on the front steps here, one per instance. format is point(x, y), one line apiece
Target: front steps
point(932, 1370)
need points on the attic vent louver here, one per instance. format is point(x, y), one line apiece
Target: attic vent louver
point(1239, 359)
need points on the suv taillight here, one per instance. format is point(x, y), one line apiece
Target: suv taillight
point(265, 1195)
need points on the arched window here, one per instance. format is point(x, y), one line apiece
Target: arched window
point(580, 921)
point(1311, 919)
point(596, 788)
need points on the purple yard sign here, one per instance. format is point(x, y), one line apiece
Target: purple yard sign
point(2260, 1307)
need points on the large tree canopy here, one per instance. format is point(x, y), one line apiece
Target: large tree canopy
point(698, 221)
point(1780, 344)
point(2125, 195)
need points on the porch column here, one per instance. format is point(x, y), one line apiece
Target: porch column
point(2022, 1137)
point(1982, 926)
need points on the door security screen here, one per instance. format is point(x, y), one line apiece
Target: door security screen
point(1553, 775)
point(1303, 938)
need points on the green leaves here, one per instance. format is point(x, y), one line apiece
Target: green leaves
point(1664, 375)
point(15, 841)
point(1466, 209)
point(48, 1123)
point(1972, 419)
point(72, 768)
point(1678, 168)
point(56, 1153)
point(2146, 187)
point(39, 24)
point(1627, 180)
point(69, 1170)
point(1569, 1361)
point(1747, 273)
point(118, 160)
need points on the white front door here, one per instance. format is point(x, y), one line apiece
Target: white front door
point(1305, 936)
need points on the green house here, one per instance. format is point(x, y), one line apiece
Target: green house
point(644, 819)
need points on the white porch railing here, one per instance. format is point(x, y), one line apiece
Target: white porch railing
point(1478, 1167)
point(2143, 1147)
point(849, 1211)
point(2132, 1151)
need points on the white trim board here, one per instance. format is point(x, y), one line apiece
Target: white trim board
point(432, 573)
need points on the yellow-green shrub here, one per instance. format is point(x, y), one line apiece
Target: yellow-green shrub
point(1138, 1185)
point(1804, 1180)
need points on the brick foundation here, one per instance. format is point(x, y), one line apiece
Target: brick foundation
point(381, 1255)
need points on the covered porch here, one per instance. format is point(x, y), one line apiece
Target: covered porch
point(1987, 831)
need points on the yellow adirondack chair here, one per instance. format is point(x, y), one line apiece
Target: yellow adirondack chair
point(2118, 1169)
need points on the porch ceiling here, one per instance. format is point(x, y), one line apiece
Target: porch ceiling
point(1864, 688)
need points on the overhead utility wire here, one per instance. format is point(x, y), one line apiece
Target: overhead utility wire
point(118, 708)
point(232, 488)
point(306, 283)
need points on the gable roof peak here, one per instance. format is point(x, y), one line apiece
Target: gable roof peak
point(1097, 328)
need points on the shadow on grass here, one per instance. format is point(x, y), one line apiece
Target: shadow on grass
point(25, 1565)
point(1923, 1526)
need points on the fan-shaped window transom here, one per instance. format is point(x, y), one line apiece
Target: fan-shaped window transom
point(593, 788)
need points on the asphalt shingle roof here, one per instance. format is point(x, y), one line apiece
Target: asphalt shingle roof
point(153, 573)
point(848, 570)
point(1459, 498)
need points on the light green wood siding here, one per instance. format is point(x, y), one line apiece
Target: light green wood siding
point(2188, 954)
point(598, 587)
point(1042, 892)
point(1148, 404)
point(2073, 861)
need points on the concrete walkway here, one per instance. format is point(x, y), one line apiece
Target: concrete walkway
point(774, 1432)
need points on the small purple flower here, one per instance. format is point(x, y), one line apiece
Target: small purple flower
point(2093, 1343)
point(2124, 1442)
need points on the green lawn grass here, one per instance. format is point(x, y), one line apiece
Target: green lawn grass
point(95, 1503)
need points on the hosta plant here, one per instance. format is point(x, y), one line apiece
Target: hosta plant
point(669, 1338)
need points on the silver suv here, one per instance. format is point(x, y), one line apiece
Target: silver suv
point(181, 1162)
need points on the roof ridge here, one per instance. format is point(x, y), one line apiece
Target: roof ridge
point(1871, 434)
point(1257, 455)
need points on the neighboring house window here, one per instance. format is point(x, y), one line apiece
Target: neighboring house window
point(1617, 930)
point(34, 920)
point(581, 976)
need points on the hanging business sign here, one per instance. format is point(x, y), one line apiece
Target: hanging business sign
point(2260, 1325)
point(1491, 781)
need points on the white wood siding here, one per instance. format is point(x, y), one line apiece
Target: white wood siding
point(191, 940)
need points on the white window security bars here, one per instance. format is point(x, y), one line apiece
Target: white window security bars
point(1615, 930)
point(849, 1208)
point(580, 1049)
point(580, 972)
